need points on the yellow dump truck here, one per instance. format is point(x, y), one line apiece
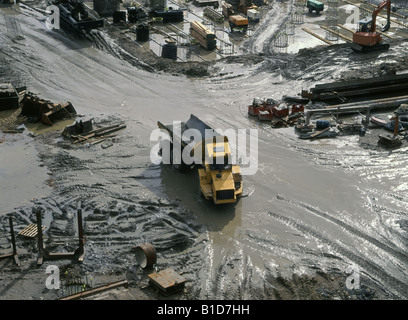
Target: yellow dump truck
point(219, 179)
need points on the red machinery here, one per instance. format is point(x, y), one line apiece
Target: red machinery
point(367, 38)
point(270, 109)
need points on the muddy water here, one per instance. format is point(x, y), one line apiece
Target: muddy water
point(23, 176)
point(310, 206)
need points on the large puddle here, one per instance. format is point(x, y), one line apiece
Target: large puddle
point(22, 174)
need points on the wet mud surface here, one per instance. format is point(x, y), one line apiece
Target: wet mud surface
point(313, 208)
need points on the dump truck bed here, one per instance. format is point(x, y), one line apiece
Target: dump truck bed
point(192, 123)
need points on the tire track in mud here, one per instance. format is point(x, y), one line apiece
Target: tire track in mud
point(384, 280)
point(229, 273)
point(104, 42)
point(381, 245)
point(78, 62)
point(98, 38)
point(118, 212)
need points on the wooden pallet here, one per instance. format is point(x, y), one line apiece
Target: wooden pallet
point(30, 231)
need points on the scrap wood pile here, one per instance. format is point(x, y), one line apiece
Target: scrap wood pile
point(204, 36)
point(35, 108)
point(83, 132)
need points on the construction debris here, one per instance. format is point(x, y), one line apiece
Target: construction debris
point(82, 132)
point(167, 281)
point(45, 254)
point(30, 231)
point(35, 108)
point(145, 255)
point(344, 91)
point(394, 140)
point(379, 122)
point(402, 110)
point(78, 128)
point(299, 111)
point(390, 141)
point(318, 134)
point(96, 290)
point(278, 113)
point(8, 97)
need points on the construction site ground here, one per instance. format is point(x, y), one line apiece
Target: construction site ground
point(312, 210)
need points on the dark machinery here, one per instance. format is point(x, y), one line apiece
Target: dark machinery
point(75, 16)
point(367, 39)
point(168, 15)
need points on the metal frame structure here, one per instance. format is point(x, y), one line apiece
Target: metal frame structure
point(13, 244)
point(45, 254)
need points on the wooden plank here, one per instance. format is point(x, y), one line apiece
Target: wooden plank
point(99, 133)
point(318, 133)
point(30, 231)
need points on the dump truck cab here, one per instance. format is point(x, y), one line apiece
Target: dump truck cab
point(314, 5)
point(220, 180)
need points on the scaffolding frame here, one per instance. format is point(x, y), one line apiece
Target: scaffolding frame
point(45, 254)
point(13, 254)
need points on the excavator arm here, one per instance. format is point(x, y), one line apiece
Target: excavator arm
point(381, 6)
